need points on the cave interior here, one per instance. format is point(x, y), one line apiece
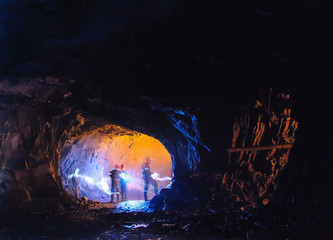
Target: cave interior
point(230, 101)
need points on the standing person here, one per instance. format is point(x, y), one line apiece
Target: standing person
point(146, 175)
point(123, 183)
point(115, 182)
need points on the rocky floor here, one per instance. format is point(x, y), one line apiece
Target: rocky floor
point(135, 220)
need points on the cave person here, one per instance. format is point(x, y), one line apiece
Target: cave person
point(115, 182)
point(146, 175)
point(123, 183)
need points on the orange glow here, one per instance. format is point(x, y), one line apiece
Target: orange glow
point(99, 150)
point(132, 151)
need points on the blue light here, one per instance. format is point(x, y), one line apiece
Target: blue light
point(156, 176)
point(102, 184)
point(124, 176)
point(187, 124)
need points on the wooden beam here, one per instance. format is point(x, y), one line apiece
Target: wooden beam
point(259, 148)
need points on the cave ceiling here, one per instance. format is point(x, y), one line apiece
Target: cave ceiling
point(124, 60)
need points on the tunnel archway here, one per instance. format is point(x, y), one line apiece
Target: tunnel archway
point(86, 160)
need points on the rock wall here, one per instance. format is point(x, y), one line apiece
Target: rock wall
point(263, 135)
point(40, 114)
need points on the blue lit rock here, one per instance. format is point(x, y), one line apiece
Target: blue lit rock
point(39, 117)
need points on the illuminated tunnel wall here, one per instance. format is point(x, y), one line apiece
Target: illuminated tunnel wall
point(55, 141)
point(86, 161)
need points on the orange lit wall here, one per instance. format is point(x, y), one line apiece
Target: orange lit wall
point(132, 151)
point(96, 152)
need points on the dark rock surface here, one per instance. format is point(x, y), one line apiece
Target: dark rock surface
point(43, 113)
point(158, 63)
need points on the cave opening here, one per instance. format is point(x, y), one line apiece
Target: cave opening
point(87, 159)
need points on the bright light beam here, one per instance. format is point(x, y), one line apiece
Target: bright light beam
point(102, 185)
point(156, 175)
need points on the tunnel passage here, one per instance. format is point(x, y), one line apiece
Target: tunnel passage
point(86, 161)
point(43, 131)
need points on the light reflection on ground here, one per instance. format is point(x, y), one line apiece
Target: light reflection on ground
point(132, 206)
point(125, 206)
